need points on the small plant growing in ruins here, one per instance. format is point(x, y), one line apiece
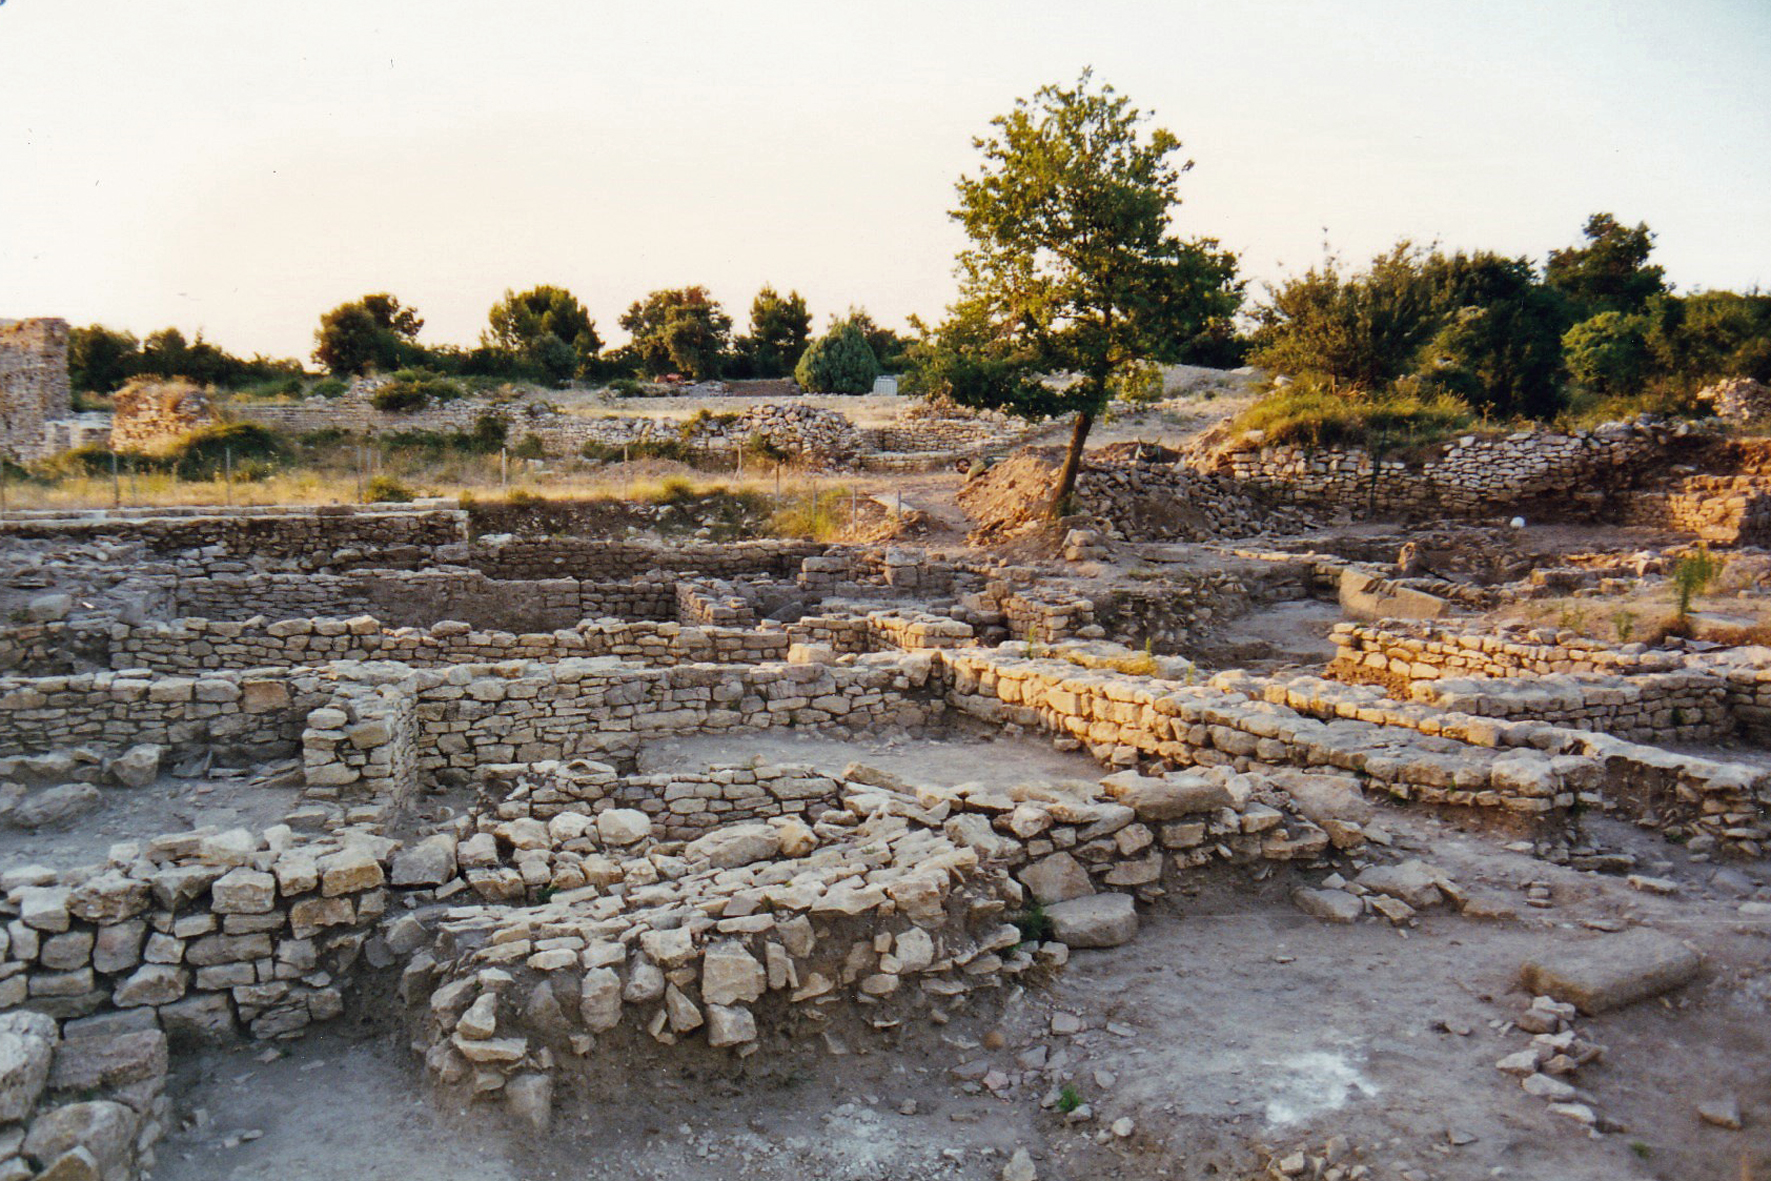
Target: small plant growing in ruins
point(1033, 923)
point(1693, 576)
point(1623, 622)
point(387, 490)
point(1641, 1150)
point(1069, 1098)
point(1570, 617)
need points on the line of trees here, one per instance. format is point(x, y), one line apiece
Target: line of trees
point(544, 334)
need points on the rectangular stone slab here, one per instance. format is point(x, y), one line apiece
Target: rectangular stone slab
point(1609, 973)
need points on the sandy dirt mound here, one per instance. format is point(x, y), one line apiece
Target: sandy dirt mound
point(1139, 490)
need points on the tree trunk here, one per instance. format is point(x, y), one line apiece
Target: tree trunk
point(1085, 420)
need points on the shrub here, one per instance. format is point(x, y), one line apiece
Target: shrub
point(814, 517)
point(1693, 576)
point(761, 447)
point(839, 362)
point(674, 490)
point(530, 448)
point(1608, 354)
point(640, 449)
point(627, 387)
point(205, 454)
point(414, 389)
point(329, 387)
point(399, 399)
point(387, 490)
point(285, 386)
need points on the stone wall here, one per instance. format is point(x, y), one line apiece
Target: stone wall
point(148, 413)
point(209, 932)
point(1126, 719)
point(193, 645)
point(313, 537)
point(863, 899)
point(422, 598)
point(1711, 804)
point(1738, 399)
point(472, 715)
point(1723, 510)
point(1685, 706)
point(1471, 476)
point(800, 430)
point(1399, 653)
point(245, 716)
point(33, 383)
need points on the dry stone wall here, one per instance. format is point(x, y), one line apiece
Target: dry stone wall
point(1723, 510)
point(248, 716)
point(421, 598)
point(859, 899)
point(1711, 804)
point(148, 413)
point(206, 931)
point(1471, 476)
point(311, 537)
point(81, 1099)
point(33, 383)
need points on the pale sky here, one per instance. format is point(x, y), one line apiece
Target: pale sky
point(240, 166)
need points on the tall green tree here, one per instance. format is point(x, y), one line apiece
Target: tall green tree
point(681, 330)
point(1354, 333)
point(888, 347)
point(1073, 268)
point(780, 327)
point(839, 362)
point(1610, 273)
point(100, 359)
point(544, 329)
point(1499, 342)
point(374, 332)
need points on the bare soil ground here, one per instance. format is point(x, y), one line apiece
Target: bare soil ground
point(169, 804)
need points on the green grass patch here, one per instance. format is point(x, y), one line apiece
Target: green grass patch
point(1313, 417)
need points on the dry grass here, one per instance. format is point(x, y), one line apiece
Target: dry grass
point(1647, 617)
point(795, 506)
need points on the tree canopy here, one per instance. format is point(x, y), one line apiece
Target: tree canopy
point(544, 329)
point(1073, 267)
point(839, 362)
point(1611, 272)
point(374, 332)
point(681, 330)
point(780, 326)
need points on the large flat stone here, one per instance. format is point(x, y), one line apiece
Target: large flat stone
point(1609, 973)
point(1100, 920)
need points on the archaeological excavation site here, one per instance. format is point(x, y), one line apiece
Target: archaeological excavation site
point(1279, 812)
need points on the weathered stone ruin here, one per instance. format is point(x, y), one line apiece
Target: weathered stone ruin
point(148, 413)
point(33, 383)
point(458, 749)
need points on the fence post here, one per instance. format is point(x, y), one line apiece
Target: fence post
point(116, 487)
point(227, 459)
point(504, 470)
